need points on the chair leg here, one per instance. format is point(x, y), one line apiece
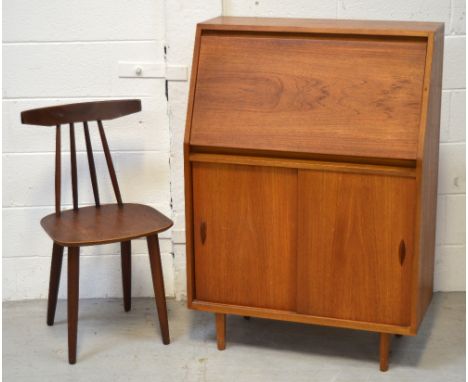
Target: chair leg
point(158, 285)
point(126, 260)
point(55, 269)
point(73, 294)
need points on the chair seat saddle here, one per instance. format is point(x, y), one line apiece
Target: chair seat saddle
point(108, 223)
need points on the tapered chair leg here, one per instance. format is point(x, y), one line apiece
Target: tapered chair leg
point(158, 286)
point(73, 295)
point(126, 260)
point(55, 269)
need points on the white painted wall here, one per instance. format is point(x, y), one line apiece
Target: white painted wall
point(67, 51)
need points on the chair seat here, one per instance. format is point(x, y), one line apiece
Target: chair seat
point(108, 223)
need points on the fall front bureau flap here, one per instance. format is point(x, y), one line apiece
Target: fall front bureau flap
point(325, 93)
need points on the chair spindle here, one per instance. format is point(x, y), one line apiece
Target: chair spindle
point(92, 168)
point(110, 165)
point(58, 169)
point(74, 175)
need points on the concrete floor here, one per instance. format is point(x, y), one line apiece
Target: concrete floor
point(117, 346)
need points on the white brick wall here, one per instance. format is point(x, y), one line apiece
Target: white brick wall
point(58, 52)
point(67, 51)
point(181, 19)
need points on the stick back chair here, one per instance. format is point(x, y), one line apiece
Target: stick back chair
point(99, 224)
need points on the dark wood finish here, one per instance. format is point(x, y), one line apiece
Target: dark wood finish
point(362, 252)
point(99, 224)
point(54, 282)
point(126, 262)
point(220, 331)
point(227, 264)
point(385, 340)
point(58, 169)
point(92, 167)
point(158, 285)
point(110, 165)
point(73, 166)
point(110, 223)
point(274, 95)
point(362, 96)
point(73, 296)
point(80, 112)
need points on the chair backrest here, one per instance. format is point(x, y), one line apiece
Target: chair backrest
point(81, 113)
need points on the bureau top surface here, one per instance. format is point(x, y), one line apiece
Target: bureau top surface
point(310, 86)
point(368, 27)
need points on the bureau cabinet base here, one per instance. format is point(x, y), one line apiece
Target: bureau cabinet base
point(384, 347)
point(291, 316)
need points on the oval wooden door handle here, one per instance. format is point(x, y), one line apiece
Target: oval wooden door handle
point(402, 252)
point(203, 232)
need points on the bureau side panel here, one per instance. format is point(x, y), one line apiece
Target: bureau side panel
point(245, 227)
point(188, 173)
point(428, 165)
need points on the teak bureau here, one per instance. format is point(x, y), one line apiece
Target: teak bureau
point(311, 157)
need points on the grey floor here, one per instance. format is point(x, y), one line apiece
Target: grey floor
point(117, 346)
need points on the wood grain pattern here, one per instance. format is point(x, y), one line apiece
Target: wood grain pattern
point(314, 26)
point(239, 264)
point(304, 164)
point(351, 227)
point(348, 96)
point(310, 156)
point(350, 110)
point(109, 223)
point(80, 112)
point(427, 173)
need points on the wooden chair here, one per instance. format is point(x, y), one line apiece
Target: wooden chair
point(99, 224)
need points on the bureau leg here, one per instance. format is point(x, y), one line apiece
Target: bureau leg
point(384, 350)
point(221, 330)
